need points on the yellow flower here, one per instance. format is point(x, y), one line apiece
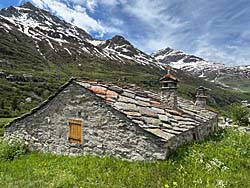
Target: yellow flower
point(166, 186)
point(175, 183)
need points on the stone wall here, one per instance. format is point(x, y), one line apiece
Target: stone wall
point(196, 134)
point(105, 131)
point(201, 102)
point(169, 98)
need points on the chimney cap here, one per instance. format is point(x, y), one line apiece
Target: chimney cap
point(202, 88)
point(169, 76)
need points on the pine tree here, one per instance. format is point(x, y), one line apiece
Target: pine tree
point(14, 104)
point(2, 105)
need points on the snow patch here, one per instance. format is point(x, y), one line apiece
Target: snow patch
point(67, 51)
point(50, 44)
point(96, 42)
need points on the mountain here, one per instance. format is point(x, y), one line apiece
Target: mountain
point(237, 77)
point(190, 63)
point(58, 36)
point(119, 48)
point(39, 52)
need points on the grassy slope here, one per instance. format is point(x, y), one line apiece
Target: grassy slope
point(3, 122)
point(241, 84)
point(191, 166)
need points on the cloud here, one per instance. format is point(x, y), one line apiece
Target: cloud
point(76, 12)
point(159, 26)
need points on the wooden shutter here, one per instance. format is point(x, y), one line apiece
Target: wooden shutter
point(75, 131)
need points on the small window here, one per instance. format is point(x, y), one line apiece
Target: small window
point(75, 131)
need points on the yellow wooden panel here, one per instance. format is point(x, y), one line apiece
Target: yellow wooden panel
point(75, 131)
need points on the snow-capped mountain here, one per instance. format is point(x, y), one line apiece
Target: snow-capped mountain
point(52, 34)
point(53, 38)
point(119, 46)
point(180, 60)
point(198, 66)
point(221, 75)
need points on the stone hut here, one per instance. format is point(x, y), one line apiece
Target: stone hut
point(100, 118)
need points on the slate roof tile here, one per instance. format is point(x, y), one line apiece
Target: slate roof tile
point(161, 134)
point(163, 118)
point(116, 89)
point(167, 126)
point(133, 113)
point(171, 131)
point(148, 112)
point(127, 99)
point(158, 110)
point(111, 94)
point(98, 89)
point(142, 98)
point(129, 94)
point(155, 103)
point(142, 103)
point(125, 106)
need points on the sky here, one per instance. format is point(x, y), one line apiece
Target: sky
point(216, 30)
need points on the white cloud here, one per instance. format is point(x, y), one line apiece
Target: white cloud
point(112, 3)
point(153, 13)
point(77, 14)
point(91, 5)
point(229, 55)
point(160, 26)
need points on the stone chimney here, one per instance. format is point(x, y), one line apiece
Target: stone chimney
point(201, 96)
point(169, 91)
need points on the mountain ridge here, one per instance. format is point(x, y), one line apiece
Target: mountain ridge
point(41, 25)
point(39, 52)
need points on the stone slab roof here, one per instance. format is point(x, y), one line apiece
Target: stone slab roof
point(145, 109)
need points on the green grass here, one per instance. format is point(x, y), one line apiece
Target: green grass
point(222, 161)
point(3, 122)
point(241, 84)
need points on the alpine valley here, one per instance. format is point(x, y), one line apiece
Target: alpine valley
point(39, 52)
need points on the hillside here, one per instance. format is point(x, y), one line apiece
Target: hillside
point(39, 52)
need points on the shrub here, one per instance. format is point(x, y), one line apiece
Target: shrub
point(1, 132)
point(239, 114)
point(10, 150)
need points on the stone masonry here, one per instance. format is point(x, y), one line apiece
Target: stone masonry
point(124, 122)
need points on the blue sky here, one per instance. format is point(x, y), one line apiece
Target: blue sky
point(217, 30)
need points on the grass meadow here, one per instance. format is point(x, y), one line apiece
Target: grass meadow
point(3, 122)
point(221, 161)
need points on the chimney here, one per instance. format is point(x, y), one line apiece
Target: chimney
point(169, 91)
point(201, 97)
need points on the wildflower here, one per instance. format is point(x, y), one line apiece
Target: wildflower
point(221, 183)
point(175, 183)
point(166, 185)
point(199, 181)
point(224, 168)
